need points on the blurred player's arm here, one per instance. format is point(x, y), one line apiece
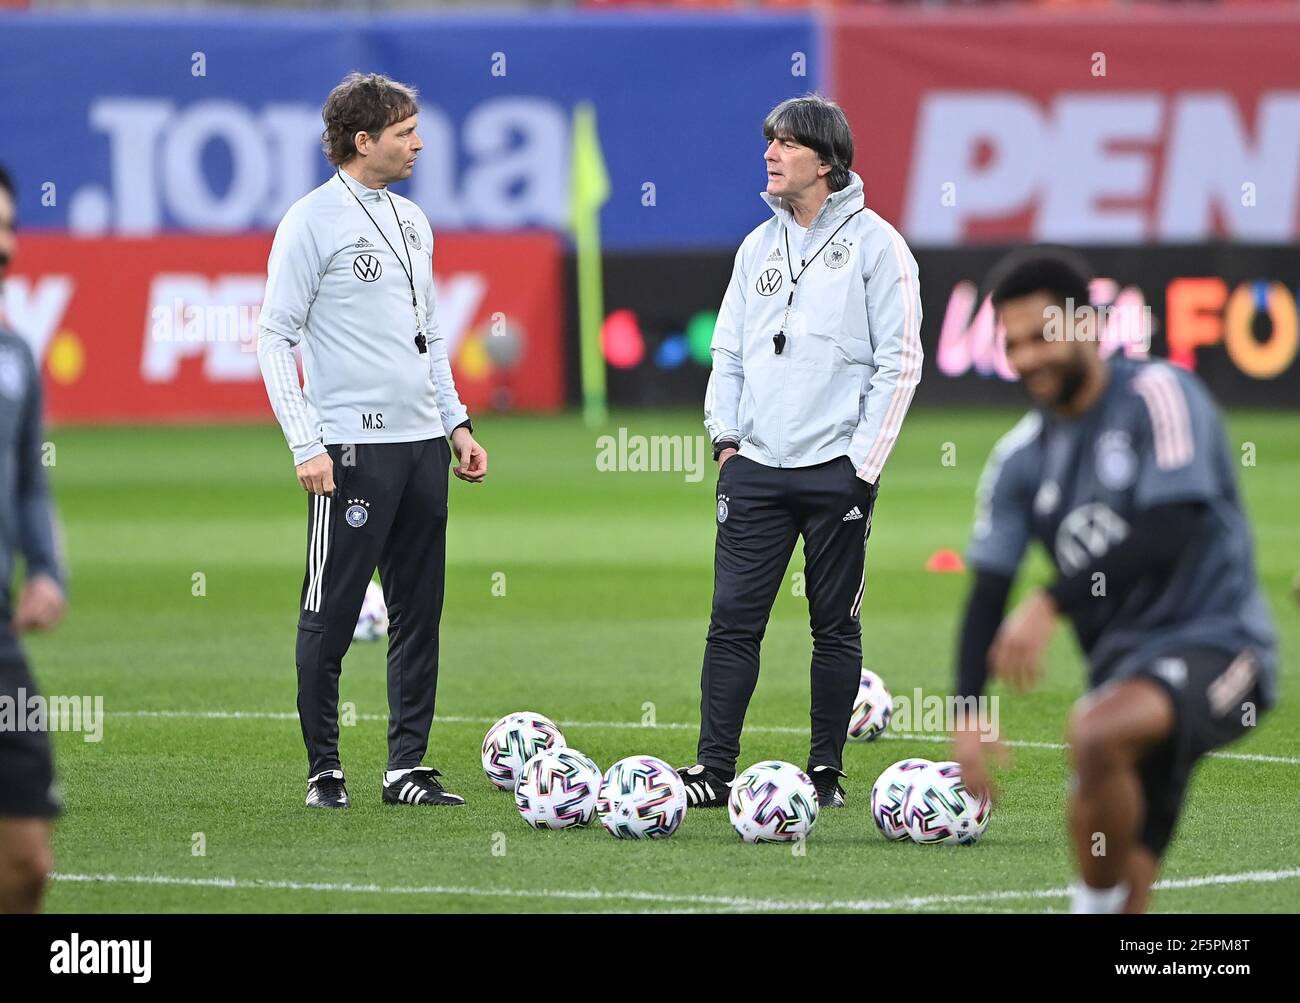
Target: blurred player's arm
point(894, 321)
point(41, 603)
point(472, 457)
point(986, 604)
point(727, 380)
point(293, 275)
point(999, 537)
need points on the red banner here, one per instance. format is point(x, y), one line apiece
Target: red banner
point(1086, 127)
point(166, 327)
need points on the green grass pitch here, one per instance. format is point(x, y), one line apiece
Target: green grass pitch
point(608, 578)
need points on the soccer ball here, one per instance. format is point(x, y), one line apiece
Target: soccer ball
point(772, 802)
point(888, 793)
point(871, 710)
point(514, 740)
point(938, 809)
point(372, 624)
point(641, 797)
point(557, 789)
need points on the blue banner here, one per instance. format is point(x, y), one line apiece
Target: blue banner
point(137, 124)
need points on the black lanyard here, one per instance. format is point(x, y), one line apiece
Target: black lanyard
point(778, 339)
point(408, 270)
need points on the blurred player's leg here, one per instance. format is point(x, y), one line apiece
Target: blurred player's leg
point(757, 531)
point(1110, 731)
point(25, 863)
point(1216, 697)
point(345, 535)
point(412, 570)
point(836, 508)
point(1143, 867)
point(28, 798)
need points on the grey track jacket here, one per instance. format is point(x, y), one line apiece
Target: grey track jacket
point(852, 357)
point(335, 285)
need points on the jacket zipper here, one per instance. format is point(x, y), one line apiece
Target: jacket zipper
point(785, 373)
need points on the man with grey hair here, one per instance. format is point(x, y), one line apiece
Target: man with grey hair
point(816, 354)
point(350, 277)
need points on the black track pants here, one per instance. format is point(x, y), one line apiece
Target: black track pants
point(762, 511)
point(389, 509)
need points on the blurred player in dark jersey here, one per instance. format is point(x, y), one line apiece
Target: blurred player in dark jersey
point(1123, 474)
point(28, 800)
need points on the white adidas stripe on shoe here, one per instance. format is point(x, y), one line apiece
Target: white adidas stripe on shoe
point(708, 791)
point(412, 794)
point(700, 791)
point(327, 790)
point(418, 786)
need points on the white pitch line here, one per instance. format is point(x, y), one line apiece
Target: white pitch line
point(575, 895)
point(761, 729)
point(713, 901)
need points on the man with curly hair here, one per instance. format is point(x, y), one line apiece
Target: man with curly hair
point(350, 280)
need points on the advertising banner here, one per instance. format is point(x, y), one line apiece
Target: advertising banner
point(165, 328)
point(136, 124)
point(1227, 312)
point(1092, 127)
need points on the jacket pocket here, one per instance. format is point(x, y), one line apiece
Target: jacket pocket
point(825, 411)
point(817, 350)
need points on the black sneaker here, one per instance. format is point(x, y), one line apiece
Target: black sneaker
point(326, 790)
point(420, 786)
point(827, 781)
point(705, 788)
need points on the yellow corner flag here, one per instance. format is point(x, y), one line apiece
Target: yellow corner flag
point(588, 191)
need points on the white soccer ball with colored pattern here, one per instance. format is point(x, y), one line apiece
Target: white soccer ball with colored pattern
point(872, 709)
point(557, 789)
point(372, 622)
point(772, 802)
point(888, 794)
point(939, 809)
point(641, 797)
point(514, 740)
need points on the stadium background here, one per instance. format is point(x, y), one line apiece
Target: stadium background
point(155, 151)
point(1164, 139)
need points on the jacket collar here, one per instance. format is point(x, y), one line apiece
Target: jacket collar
point(360, 190)
point(837, 206)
